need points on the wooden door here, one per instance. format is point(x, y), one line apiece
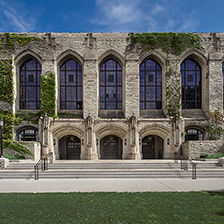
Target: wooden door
point(111, 147)
point(148, 147)
point(73, 147)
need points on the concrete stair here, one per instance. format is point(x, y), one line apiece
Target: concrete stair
point(114, 169)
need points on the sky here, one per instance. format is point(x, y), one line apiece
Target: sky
point(111, 16)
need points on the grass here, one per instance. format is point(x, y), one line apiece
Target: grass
point(14, 156)
point(150, 207)
point(215, 156)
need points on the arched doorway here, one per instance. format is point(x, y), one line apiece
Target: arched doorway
point(152, 147)
point(111, 147)
point(69, 147)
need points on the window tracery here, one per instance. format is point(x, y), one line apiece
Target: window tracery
point(111, 86)
point(150, 85)
point(191, 84)
point(71, 85)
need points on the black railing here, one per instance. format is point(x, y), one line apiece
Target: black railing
point(184, 164)
point(193, 168)
point(43, 163)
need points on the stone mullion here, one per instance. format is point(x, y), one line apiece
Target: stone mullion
point(215, 83)
point(131, 88)
point(90, 88)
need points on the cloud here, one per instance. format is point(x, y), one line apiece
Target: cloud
point(119, 12)
point(143, 16)
point(157, 9)
point(16, 19)
point(64, 17)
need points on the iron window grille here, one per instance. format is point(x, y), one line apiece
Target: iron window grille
point(194, 134)
point(28, 135)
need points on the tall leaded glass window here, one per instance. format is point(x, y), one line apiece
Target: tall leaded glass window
point(191, 84)
point(71, 85)
point(111, 86)
point(30, 73)
point(150, 85)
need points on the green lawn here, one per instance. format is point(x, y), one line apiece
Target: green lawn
point(151, 207)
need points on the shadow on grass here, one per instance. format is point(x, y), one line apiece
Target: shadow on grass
point(218, 193)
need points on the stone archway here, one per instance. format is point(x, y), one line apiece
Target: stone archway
point(111, 147)
point(69, 147)
point(152, 147)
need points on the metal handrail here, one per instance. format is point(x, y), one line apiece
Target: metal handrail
point(184, 165)
point(43, 162)
point(30, 175)
point(193, 168)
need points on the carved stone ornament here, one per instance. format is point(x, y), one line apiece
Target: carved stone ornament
point(5, 106)
point(46, 121)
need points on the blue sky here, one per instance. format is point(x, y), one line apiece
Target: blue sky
point(111, 16)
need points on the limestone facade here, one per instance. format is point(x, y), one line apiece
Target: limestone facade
point(96, 128)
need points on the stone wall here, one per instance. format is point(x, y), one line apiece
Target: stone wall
point(195, 149)
point(34, 147)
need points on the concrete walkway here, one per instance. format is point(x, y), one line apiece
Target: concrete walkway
point(111, 185)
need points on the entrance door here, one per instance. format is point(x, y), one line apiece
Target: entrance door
point(148, 147)
point(152, 147)
point(111, 147)
point(73, 147)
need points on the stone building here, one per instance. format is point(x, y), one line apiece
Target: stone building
point(112, 103)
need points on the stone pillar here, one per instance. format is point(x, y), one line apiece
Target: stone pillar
point(134, 140)
point(4, 163)
point(131, 87)
point(215, 84)
point(45, 143)
point(91, 146)
point(178, 129)
point(90, 85)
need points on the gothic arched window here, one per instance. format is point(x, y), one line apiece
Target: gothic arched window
point(111, 86)
point(30, 73)
point(194, 134)
point(150, 85)
point(71, 85)
point(191, 84)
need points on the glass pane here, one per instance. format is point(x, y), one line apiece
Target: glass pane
point(31, 65)
point(70, 94)
point(71, 105)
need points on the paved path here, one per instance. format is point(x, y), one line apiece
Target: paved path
point(111, 185)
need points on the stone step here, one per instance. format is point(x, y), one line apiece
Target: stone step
point(114, 169)
point(128, 173)
point(113, 166)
